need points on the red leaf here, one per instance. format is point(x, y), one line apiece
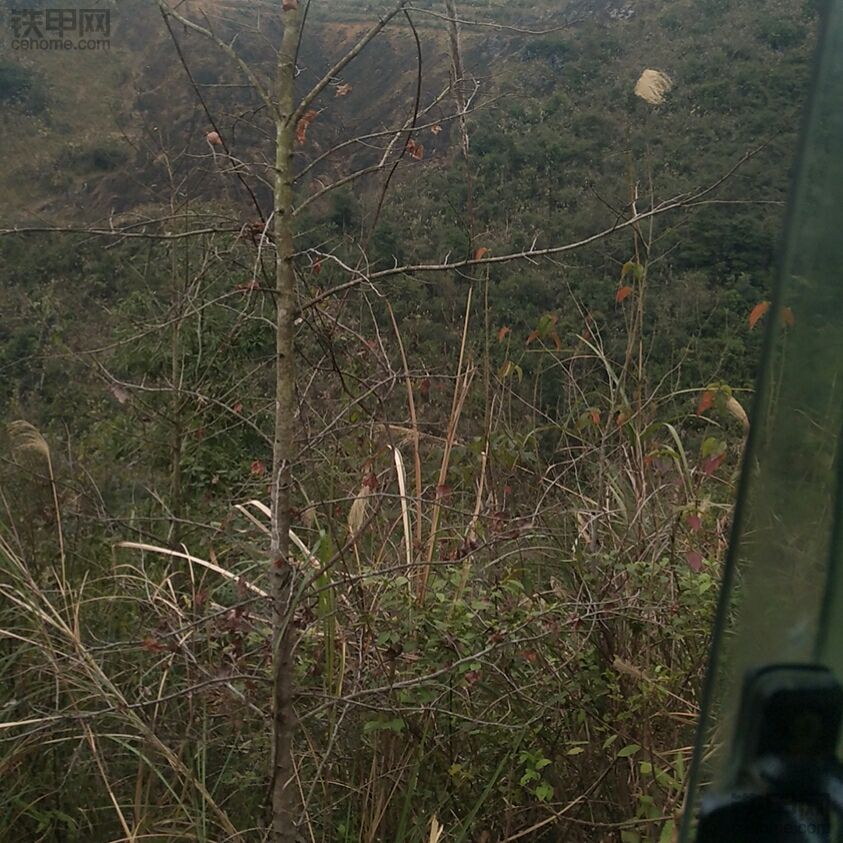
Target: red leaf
point(706, 401)
point(443, 492)
point(304, 122)
point(529, 655)
point(711, 464)
point(317, 266)
point(623, 293)
point(152, 645)
point(757, 312)
point(480, 253)
point(214, 138)
point(595, 415)
point(787, 317)
point(556, 341)
point(238, 408)
point(694, 523)
point(534, 335)
point(695, 560)
point(424, 388)
point(290, 5)
point(258, 468)
point(503, 333)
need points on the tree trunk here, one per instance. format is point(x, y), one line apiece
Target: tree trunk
point(283, 572)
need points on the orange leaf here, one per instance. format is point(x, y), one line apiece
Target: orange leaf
point(623, 293)
point(214, 138)
point(436, 129)
point(304, 122)
point(595, 415)
point(503, 333)
point(343, 90)
point(258, 468)
point(787, 317)
point(480, 253)
point(706, 401)
point(757, 312)
point(290, 5)
point(534, 335)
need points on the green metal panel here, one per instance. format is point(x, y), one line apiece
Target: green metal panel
point(782, 594)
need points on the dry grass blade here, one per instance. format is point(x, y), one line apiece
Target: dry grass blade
point(357, 513)
point(26, 437)
point(735, 408)
point(175, 554)
point(405, 511)
point(436, 831)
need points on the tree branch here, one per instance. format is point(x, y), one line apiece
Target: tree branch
point(227, 49)
point(352, 54)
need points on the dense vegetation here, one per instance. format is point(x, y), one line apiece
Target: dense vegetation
point(514, 480)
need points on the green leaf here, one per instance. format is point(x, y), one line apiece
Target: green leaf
point(631, 749)
point(396, 725)
point(668, 830)
point(529, 776)
point(634, 269)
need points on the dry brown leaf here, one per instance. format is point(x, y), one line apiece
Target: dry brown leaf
point(416, 150)
point(119, 393)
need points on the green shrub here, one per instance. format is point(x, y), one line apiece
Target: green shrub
point(21, 87)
